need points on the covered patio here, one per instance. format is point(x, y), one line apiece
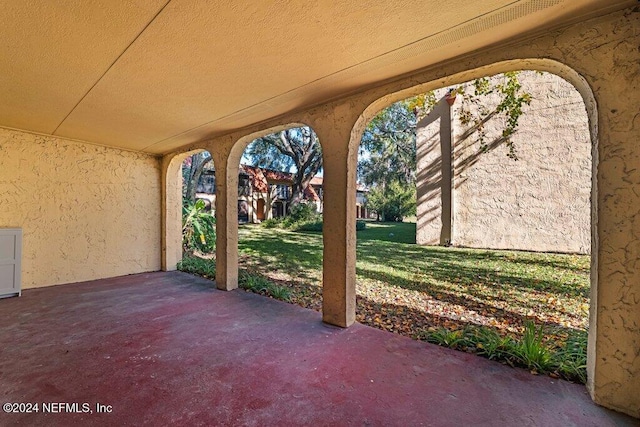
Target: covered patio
point(100, 102)
point(170, 349)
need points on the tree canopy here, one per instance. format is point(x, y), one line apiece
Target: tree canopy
point(296, 148)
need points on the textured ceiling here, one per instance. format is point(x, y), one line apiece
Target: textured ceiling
point(154, 75)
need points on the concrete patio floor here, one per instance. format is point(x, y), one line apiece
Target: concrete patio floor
point(169, 349)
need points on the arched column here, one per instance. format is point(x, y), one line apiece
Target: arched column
point(172, 209)
point(614, 327)
point(334, 126)
point(226, 215)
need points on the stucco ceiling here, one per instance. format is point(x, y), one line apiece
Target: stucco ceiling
point(154, 75)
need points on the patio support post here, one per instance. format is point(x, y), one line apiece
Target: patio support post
point(226, 218)
point(334, 127)
point(171, 219)
point(613, 366)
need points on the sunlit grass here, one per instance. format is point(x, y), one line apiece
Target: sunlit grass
point(496, 288)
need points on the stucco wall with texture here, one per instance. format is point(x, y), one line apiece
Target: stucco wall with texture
point(541, 201)
point(87, 212)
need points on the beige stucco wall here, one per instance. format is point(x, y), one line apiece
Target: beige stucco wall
point(429, 179)
point(86, 211)
point(540, 202)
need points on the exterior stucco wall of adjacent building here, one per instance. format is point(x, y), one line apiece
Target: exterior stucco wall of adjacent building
point(87, 212)
point(541, 201)
point(430, 228)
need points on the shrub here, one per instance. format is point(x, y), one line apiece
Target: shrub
point(444, 337)
point(280, 292)
point(302, 211)
point(490, 344)
point(199, 266)
point(287, 222)
point(254, 283)
point(261, 285)
point(308, 226)
point(270, 223)
point(572, 358)
point(393, 202)
point(302, 217)
point(531, 352)
point(198, 228)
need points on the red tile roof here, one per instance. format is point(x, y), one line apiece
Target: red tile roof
point(261, 178)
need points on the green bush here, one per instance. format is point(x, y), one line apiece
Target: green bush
point(302, 217)
point(287, 222)
point(453, 339)
point(255, 283)
point(261, 285)
point(198, 228)
point(572, 358)
point(280, 292)
point(308, 226)
point(270, 223)
point(302, 211)
point(393, 202)
point(488, 343)
point(531, 351)
point(199, 266)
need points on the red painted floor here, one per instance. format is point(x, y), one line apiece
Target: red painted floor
point(168, 349)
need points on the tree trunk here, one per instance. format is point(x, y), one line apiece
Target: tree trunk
point(197, 167)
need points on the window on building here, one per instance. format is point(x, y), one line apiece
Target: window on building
point(283, 191)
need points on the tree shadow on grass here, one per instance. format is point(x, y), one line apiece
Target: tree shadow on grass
point(558, 261)
point(471, 300)
point(411, 322)
point(453, 267)
point(434, 271)
point(260, 264)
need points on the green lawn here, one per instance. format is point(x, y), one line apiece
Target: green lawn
point(417, 291)
point(430, 286)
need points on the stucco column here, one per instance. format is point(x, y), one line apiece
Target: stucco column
point(334, 129)
point(171, 211)
point(226, 220)
point(614, 331)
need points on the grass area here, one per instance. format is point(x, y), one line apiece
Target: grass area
point(517, 307)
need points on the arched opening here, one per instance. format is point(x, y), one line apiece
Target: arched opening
point(279, 207)
point(458, 185)
point(189, 209)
